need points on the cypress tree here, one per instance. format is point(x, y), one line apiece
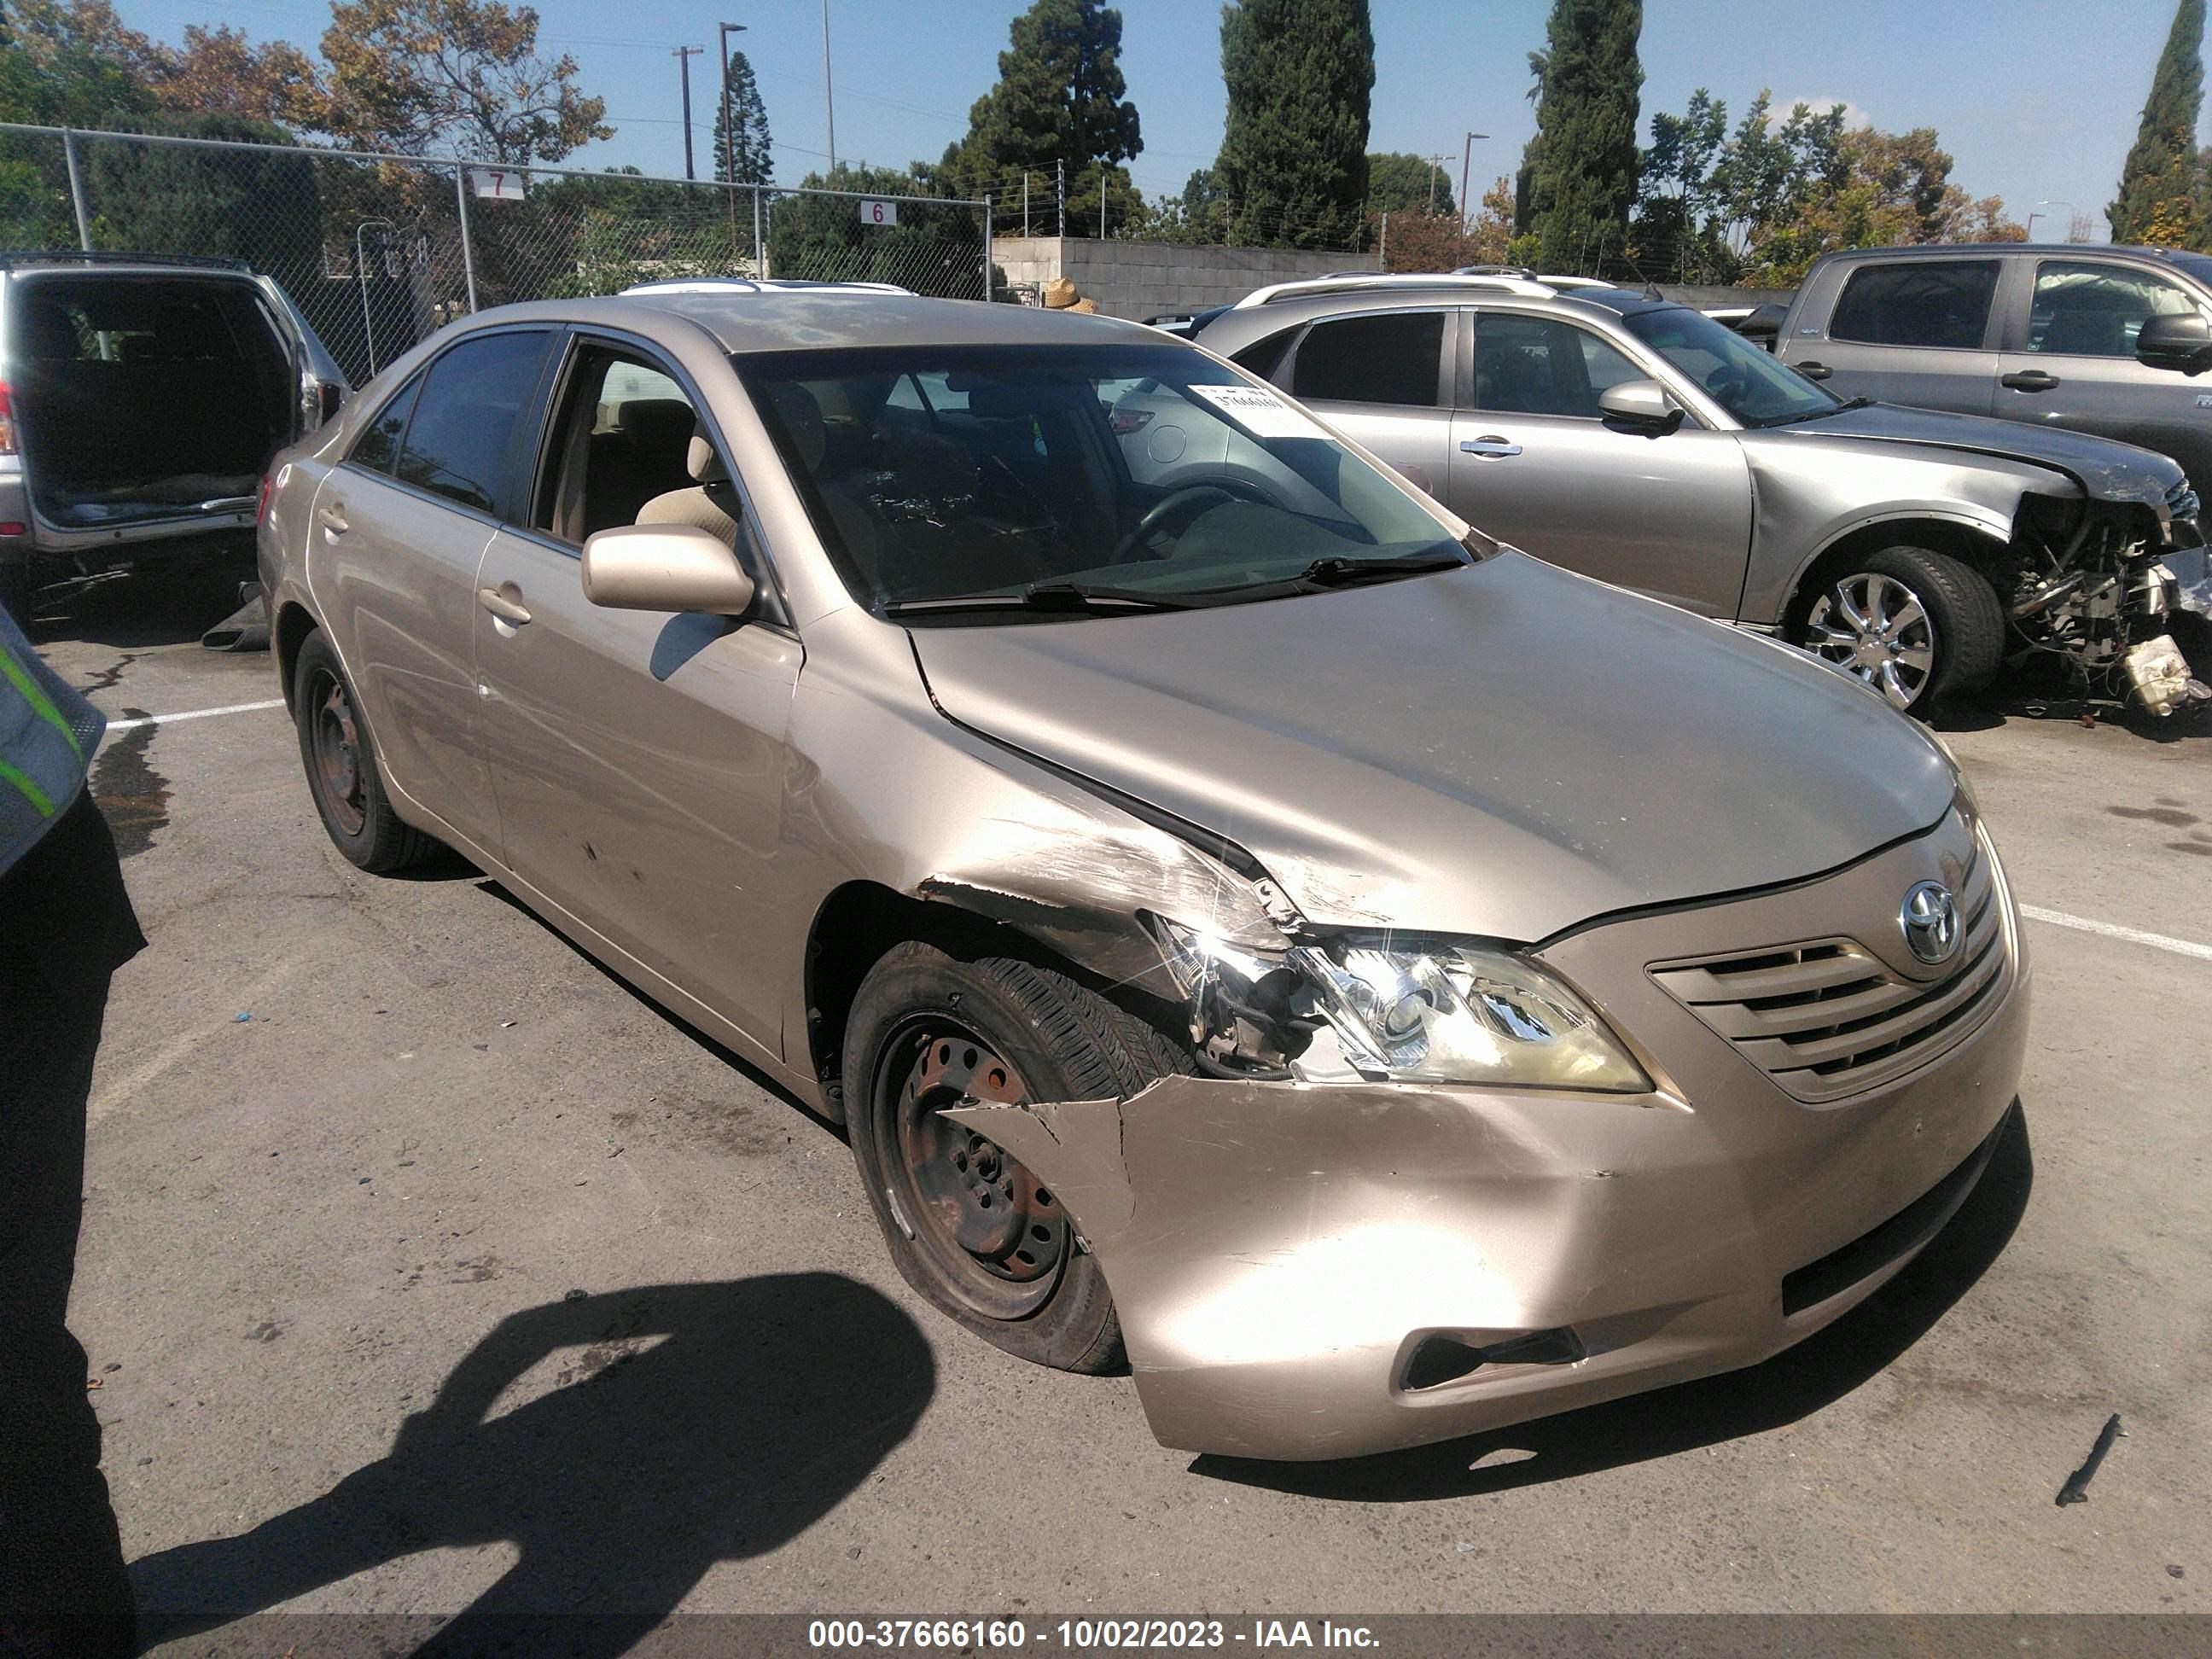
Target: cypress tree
point(751, 148)
point(1294, 153)
point(2162, 167)
point(1585, 182)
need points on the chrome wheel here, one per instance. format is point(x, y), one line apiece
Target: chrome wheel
point(1875, 627)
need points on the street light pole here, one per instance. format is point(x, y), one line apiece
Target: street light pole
point(729, 125)
point(829, 96)
point(1465, 156)
point(684, 55)
point(2054, 202)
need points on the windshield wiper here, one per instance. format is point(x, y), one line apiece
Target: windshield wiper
point(1343, 573)
point(1816, 413)
point(1042, 596)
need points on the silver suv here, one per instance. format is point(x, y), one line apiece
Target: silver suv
point(141, 395)
point(1642, 442)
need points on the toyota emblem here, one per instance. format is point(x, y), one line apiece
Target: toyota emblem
point(1930, 921)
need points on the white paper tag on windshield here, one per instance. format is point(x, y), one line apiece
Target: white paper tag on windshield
point(1261, 412)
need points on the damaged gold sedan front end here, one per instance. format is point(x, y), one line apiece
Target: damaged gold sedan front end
point(1314, 1270)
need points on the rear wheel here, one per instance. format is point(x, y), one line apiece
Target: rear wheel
point(342, 774)
point(1917, 625)
point(973, 1230)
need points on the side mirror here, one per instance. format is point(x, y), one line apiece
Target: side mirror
point(655, 567)
point(329, 397)
point(1640, 406)
point(2181, 341)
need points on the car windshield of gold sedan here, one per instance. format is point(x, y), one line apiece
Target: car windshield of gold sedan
point(1006, 483)
point(1753, 387)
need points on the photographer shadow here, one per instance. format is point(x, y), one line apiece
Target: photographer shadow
point(698, 1424)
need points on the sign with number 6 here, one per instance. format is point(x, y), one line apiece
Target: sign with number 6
point(879, 213)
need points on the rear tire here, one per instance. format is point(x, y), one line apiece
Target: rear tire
point(973, 1231)
point(342, 772)
point(1919, 626)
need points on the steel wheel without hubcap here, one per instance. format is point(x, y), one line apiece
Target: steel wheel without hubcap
point(1875, 627)
point(988, 1231)
point(336, 739)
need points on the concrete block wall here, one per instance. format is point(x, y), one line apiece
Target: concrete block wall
point(1144, 279)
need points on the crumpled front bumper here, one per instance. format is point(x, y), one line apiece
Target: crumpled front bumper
point(1278, 1252)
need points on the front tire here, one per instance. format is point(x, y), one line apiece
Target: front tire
point(1918, 626)
point(343, 773)
point(972, 1230)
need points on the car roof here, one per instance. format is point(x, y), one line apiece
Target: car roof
point(1238, 326)
point(1938, 249)
point(836, 318)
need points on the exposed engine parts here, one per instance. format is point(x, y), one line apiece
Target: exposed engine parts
point(2084, 581)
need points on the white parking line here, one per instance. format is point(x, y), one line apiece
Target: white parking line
point(196, 714)
point(2180, 947)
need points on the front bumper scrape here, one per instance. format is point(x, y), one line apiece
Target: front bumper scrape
point(1282, 1254)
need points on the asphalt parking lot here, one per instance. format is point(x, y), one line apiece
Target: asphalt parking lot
point(422, 1262)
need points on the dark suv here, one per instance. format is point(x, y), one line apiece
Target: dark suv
point(141, 396)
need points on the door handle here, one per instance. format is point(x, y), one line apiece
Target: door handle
point(502, 607)
point(332, 519)
point(2032, 379)
point(1490, 447)
point(1813, 371)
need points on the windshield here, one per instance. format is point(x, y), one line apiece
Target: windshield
point(1149, 472)
point(1754, 388)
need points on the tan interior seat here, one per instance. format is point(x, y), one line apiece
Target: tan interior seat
point(709, 504)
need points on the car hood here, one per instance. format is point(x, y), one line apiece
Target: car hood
point(1504, 750)
point(2109, 469)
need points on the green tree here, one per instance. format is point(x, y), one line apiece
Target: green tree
point(1584, 182)
point(1059, 102)
point(414, 75)
point(1399, 183)
point(1294, 151)
point(749, 148)
point(2162, 166)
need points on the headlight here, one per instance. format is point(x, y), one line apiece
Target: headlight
point(1405, 1010)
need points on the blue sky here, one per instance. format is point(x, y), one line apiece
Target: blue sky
point(2037, 99)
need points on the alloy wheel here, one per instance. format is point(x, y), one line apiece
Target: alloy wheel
point(1874, 626)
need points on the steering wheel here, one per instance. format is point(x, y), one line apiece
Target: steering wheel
point(1228, 489)
point(1729, 383)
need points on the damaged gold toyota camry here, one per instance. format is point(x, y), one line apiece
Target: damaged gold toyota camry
point(1246, 920)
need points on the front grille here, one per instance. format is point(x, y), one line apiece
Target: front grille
point(1828, 1018)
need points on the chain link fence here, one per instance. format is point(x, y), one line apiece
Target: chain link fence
point(378, 251)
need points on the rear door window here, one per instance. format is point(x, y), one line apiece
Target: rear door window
point(2086, 308)
point(377, 445)
point(463, 430)
point(1940, 303)
point(1393, 357)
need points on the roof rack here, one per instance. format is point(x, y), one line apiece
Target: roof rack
point(1387, 280)
point(10, 258)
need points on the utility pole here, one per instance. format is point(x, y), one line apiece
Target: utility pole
point(1466, 155)
point(1435, 161)
point(829, 100)
point(729, 123)
point(684, 55)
